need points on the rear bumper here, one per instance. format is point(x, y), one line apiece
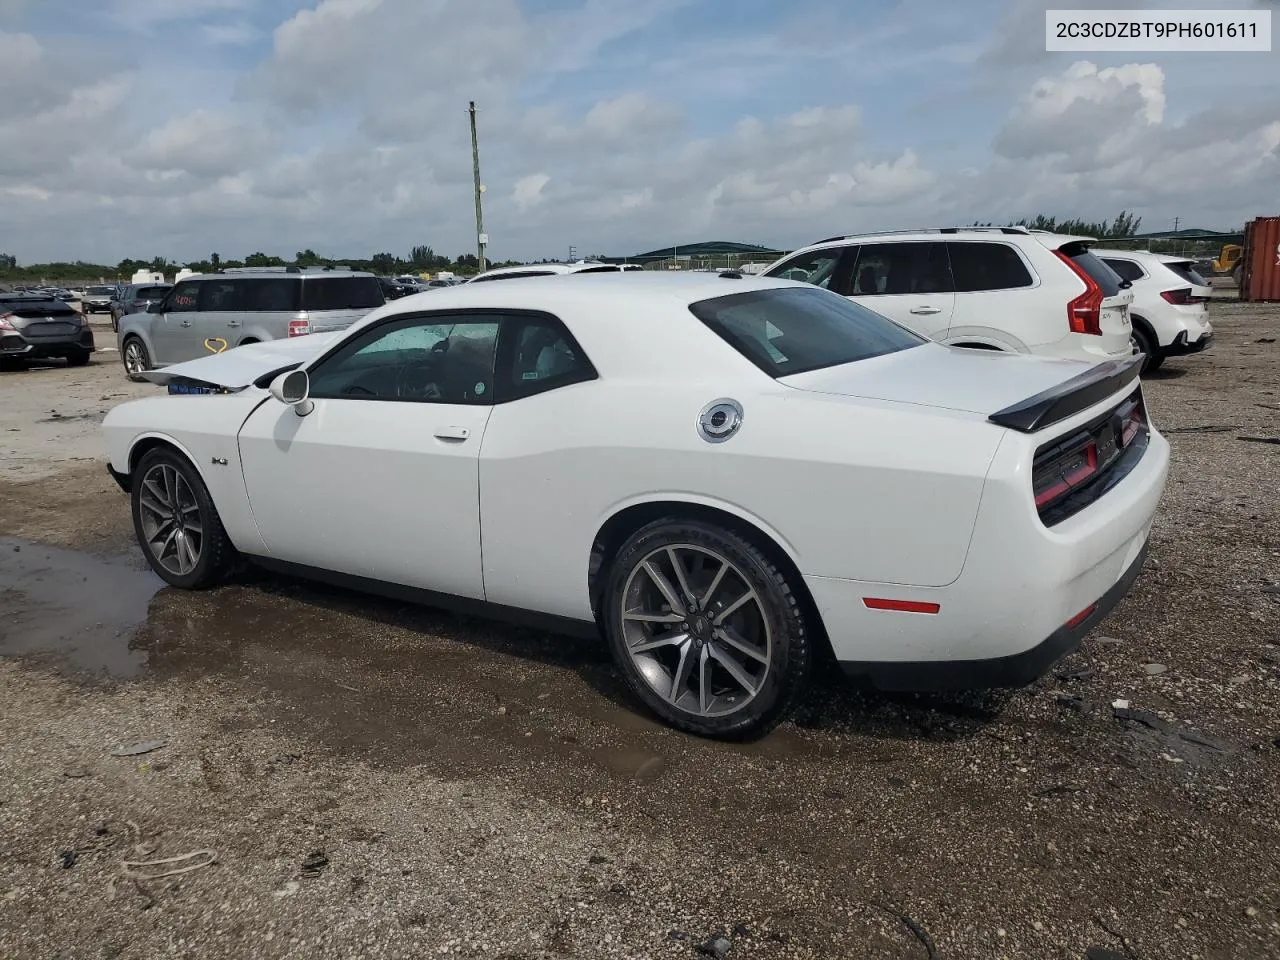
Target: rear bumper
point(1013, 670)
point(1184, 344)
point(34, 348)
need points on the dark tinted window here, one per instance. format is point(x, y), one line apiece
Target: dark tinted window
point(790, 331)
point(151, 293)
point(987, 266)
point(34, 310)
point(101, 291)
point(416, 359)
point(184, 299)
point(890, 269)
point(514, 276)
point(1091, 264)
point(1186, 269)
point(341, 293)
point(819, 267)
point(1125, 269)
point(222, 295)
point(278, 295)
point(541, 355)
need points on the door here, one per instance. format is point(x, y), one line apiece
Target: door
point(907, 281)
point(172, 329)
point(994, 302)
point(380, 479)
point(219, 325)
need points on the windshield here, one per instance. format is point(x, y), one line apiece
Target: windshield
point(101, 291)
point(792, 330)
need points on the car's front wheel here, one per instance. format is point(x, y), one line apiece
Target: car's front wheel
point(135, 358)
point(176, 523)
point(708, 631)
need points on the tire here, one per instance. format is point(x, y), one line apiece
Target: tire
point(78, 359)
point(134, 356)
point(772, 626)
point(165, 485)
point(1148, 348)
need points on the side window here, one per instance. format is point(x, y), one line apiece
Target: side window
point(889, 269)
point(1127, 269)
point(987, 266)
point(341, 293)
point(539, 354)
point(183, 299)
point(273, 296)
point(822, 268)
point(222, 295)
point(438, 359)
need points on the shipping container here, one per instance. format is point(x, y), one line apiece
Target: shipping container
point(1260, 279)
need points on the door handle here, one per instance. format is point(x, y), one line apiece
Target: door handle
point(233, 323)
point(186, 323)
point(452, 433)
point(925, 311)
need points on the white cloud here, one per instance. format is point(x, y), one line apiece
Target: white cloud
point(147, 14)
point(235, 33)
point(204, 144)
point(527, 193)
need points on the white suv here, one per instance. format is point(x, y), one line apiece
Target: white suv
point(995, 288)
point(1170, 311)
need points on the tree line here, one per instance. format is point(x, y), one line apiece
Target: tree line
point(421, 259)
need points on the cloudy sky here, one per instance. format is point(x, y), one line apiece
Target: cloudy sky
point(181, 127)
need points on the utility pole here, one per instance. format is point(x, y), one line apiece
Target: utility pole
point(482, 239)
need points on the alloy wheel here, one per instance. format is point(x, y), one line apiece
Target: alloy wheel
point(135, 362)
point(171, 523)
point(696, 630)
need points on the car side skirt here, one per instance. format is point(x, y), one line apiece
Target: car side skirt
point(431, 598)
point(1015, 670)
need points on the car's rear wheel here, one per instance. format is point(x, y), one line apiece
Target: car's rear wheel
point(135, 358)
point(78, 359)
point(706, 628)
point(1146, 345)
point(176, 522)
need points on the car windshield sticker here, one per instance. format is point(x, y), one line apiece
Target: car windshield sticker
point(479, 388)
point(530, 375)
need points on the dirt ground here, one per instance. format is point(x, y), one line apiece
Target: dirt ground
point(370, 779)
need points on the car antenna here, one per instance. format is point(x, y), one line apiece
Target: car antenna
point(731, 274)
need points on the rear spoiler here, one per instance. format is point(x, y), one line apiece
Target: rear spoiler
point(1069, 397)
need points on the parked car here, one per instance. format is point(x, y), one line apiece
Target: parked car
point(213, 312)
point(720, 474)
point(545, 270)
point(393, 289)
point(36, 327)
point(136, 298)
point(1170, 311)
point(97, 299)
point(1007, 288)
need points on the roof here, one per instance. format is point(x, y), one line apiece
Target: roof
point(275, 273)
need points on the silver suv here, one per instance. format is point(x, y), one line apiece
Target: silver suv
point(213, 312)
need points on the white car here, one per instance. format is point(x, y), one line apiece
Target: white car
point(1170, 311)
point(995, 288)
point(723, 475)
point(552, 269)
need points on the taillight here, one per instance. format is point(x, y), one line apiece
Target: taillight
point(299, 328)
point(1181, 298)
point(1135, 420)
point(1063, 471)
point(1084, 313)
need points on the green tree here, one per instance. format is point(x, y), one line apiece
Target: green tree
point(8, 261)
point(384, 263)
point(215, 261)
point(262, 260)
point(307, 258)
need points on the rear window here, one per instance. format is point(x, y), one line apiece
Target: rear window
point(101, 291)
point(788, 331)
point(1186, 269)
point(342, 293)
point(150, 293)
point(1102, 275)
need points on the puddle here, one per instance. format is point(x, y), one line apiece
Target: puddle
point(73, 607)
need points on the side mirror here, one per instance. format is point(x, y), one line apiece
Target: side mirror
point(155, 306)
point(292, 388)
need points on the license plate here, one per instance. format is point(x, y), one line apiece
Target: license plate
point(192, 388)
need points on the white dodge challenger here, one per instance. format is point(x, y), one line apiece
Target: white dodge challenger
point(727, 477)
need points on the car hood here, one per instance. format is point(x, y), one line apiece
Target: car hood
point(952, 378)
point(238, 367)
